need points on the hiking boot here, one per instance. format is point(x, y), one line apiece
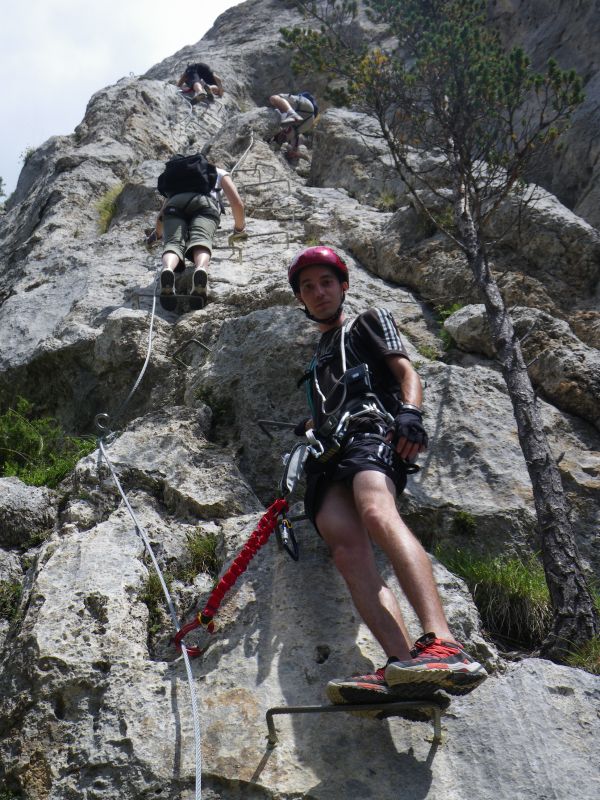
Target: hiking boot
point(374, 688)
point(290, 116)
point(436, 664)
point(199, 97)
point(198, 296)
point(209, 96)
point(167, 290)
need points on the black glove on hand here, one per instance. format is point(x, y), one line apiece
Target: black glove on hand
point(408, 425)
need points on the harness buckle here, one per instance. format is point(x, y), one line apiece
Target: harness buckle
point(325, 444)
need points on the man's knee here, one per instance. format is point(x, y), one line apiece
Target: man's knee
point(377, 513)
point(347, 556)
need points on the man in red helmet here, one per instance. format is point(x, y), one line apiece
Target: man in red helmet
point(366, 432)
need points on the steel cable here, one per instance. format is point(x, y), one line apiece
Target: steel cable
point(105, 418)
point(142, 534)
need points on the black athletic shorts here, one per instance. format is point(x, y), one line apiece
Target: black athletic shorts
point(363, 452)
point(197, 73)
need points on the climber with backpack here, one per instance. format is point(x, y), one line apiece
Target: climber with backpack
point(364, 436)
point(188, 221)
point(298, 114)
point(200, 83)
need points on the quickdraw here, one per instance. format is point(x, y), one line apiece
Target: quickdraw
point(257, 539)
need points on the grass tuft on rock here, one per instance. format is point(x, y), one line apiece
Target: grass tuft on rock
point(36, 449)
point(587, 657)
point(10, 597)
point(107, 207)
point(153, 597)
point(511, 595)
point(512, 598)
point(203, 556)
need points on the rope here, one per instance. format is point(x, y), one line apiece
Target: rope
point(102, 420)
point(258, 538)
point(142, 534)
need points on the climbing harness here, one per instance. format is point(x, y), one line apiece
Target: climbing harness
point(259, 537)
point(357, 400)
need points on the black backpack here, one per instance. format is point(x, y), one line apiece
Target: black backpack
point(187, 174)
point(309, 96)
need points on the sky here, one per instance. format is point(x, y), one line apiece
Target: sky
point(54, 54)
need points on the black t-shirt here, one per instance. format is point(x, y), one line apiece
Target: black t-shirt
point(371, 337)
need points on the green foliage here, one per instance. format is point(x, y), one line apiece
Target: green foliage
point(2, 191)
point(10, 596)
point(107, 207)
point(387, 201)
point(510, 593)
point(443, 312)
point(203, 557)
point(464, 524)
point(587, 656)
point(443, 220)
point(428, 351)
point(311, 241)
point(448, 86)
point(153, 596)
point(36, 449)
point(27, 153)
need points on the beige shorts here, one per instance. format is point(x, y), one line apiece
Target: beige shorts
point(304, 107)
point(189, 220)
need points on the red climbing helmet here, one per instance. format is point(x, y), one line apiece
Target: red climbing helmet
point(313, 256)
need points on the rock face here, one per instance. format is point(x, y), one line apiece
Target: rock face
point(567, 32)
point(94, 700)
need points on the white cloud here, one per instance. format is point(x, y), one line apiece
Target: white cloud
point(57, 53)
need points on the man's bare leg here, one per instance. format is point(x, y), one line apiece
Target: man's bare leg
point(374, 496)
point(352, 552)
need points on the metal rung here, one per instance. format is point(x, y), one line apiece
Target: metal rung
point(269, 233)
point(389, 709)
point(184, 346)
point(256, 169)
point(265, 424)
point(266, 183)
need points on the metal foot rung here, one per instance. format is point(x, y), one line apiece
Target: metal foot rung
point(435, 709)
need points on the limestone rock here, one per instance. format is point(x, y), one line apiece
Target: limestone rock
point(564, 369)
point(567, 33)
point(26, 513)
point(94, 699)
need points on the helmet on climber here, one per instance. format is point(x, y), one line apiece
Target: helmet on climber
point(316, 256)
point(319, 257)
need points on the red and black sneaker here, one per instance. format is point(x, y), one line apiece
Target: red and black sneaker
point(370, 688)
point(374, 688)
point(436, 664)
